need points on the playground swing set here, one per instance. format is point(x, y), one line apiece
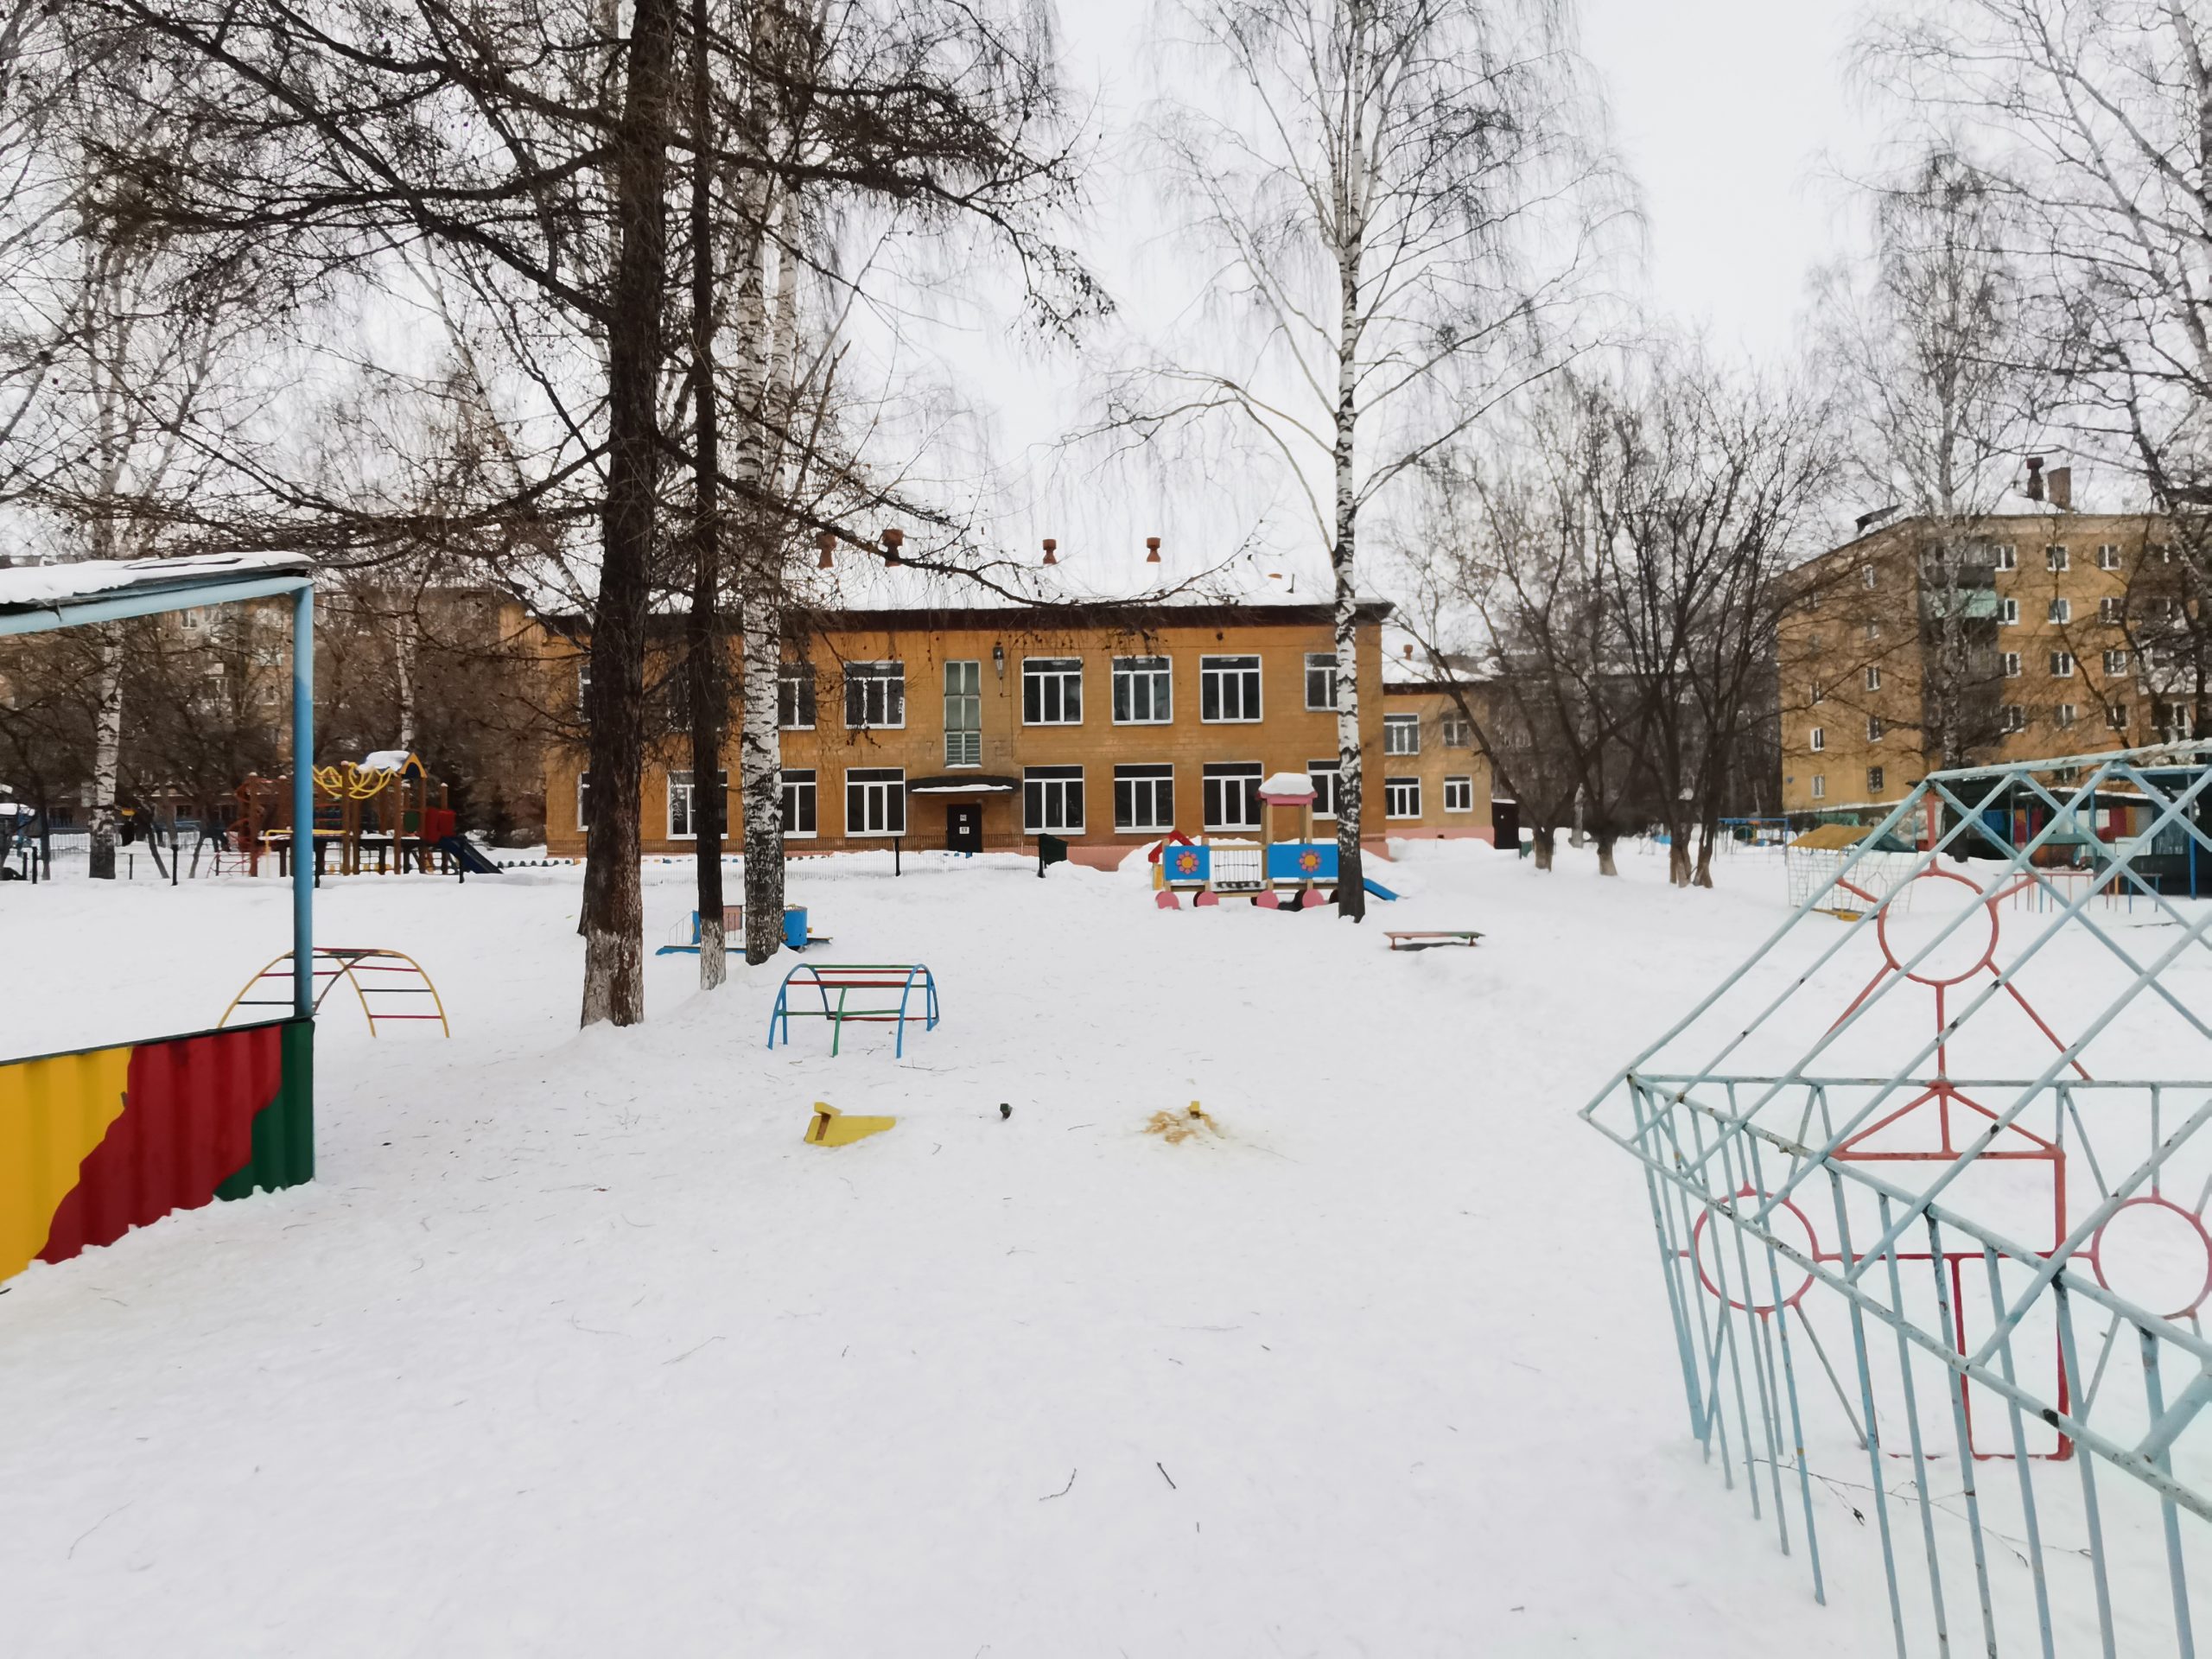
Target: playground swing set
point(1287, 874)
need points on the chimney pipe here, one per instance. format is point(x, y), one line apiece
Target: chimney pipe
point(2062, 488)
point(1152, 550)
point(1050, 545)
point(892, 539)
point(2034, 485)
point(827, 543)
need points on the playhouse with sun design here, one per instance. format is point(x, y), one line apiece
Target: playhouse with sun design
point(1287, 874)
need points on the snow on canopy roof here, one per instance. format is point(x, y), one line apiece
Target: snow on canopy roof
point(39, 587)
point(1285, 786)
point(385, 760)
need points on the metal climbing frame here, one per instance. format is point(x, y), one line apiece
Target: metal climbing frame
point(846, 977)
point(1928, 1193)
point(329, 964)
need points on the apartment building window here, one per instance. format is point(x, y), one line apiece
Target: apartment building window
point(1874, 781)
point(1320, 679)
point(1820, 738)
point(1873, 729)
point(1142, 694)
point(2107, 557)
point(1457, 732)
point(875, 801)
point(2061, 610)
point(875, 697)
point(1819, 786)
point(2054, 558)
point(2115, 662)
point(2116, 716)
point(2065, 717)
point(2011, 718)
point(1051, 691)
point(1873, 630)
point(1144, 797)
point(963, 714)
point(795, 698)
point(584, 800)
point(2110, 611)
point(2008, 556)
point(583, 684)
point(1459, 794)
point(2061, 665)
point(2011, 663)
point(1816, 693)
point(1229, 793)
point(681, 818)
point(1867, 574)
point(1401, 734)
point(1051, 800)
point(1325, 775)
point(1873, 677)
point(1401, 797)
point(2008, 612)
point(799, 805)
point(1228, 688)
point(2159, 554)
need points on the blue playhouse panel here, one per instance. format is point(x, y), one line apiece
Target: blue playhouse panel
point(1186, 866)
point(1302, 861)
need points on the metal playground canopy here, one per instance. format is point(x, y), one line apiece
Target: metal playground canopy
point(1929, 1191)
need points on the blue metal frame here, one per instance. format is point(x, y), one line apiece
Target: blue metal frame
point(915, 974)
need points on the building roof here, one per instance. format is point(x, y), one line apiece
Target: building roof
point(1128, 616)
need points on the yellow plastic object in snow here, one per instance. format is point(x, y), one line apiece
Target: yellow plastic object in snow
point(831, 1127)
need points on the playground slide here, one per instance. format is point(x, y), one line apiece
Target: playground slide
point(1377, 889)
point(466, 854)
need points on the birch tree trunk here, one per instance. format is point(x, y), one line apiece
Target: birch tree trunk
point(614, 986)
point(402, 673)
point(709, 683)
point(1350, 234)
point(759, 752)
point(107, 752)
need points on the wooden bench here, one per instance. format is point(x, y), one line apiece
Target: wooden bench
point(1429, 938)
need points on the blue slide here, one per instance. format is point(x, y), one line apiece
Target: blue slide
point(1376, 887)
point(466, 853)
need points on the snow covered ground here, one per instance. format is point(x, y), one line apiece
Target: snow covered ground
point(573, 1348)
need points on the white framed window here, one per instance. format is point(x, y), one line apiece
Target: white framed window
point(1325, 774)
point(2053, 557)
point(1459, 794)
point(1874, 776)
point(1873, 729)
point(188, 620)
point(1143, 692)
point(2110, 610)
point(1401, 734)
point(1051, 800)
point(1144, 797)
point(2116, 716)
point(963, 714)
point(584, 800)
point(1229, 792)
point(1819, 786)
point(795, 697)
point(1321, 680)
point(800, 805)
point(2107, 557)
point(680, 802)
point(2065, 716)
point(875, 697)
point(1051, 691)
point(1229, 688)
point(1873, 677)
point(1874, 629)
point(2008, 556)
point(2061, 610)
point(2061, 665)
point(2115, 662)
point(1866, 575)
point(2008, 612)
point(583, 684)
point(2011, 718)
point(875, 801)
point(2011, 660)
point(1820, 739)
point(1456, 732)
point(1401, 797)
point(1817, 693)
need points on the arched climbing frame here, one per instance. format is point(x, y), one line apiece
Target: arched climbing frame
point(333, 963)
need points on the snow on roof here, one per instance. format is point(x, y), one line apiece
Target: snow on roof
point(34, 586)
point(1291, 786)
point(385, 760)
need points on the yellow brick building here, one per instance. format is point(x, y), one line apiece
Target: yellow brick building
point(1107, 725)
point(2053, 608)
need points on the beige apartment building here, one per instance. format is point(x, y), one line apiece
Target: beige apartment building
point(2055, 622)
point(1106, 724)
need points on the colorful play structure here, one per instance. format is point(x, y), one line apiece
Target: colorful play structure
point(1266, 871)
point(846, 977)
point(795, 937)
point(383, 808)
point(96, 1141)
point(394, 973)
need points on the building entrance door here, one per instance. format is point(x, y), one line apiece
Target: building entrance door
point(964, 827)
